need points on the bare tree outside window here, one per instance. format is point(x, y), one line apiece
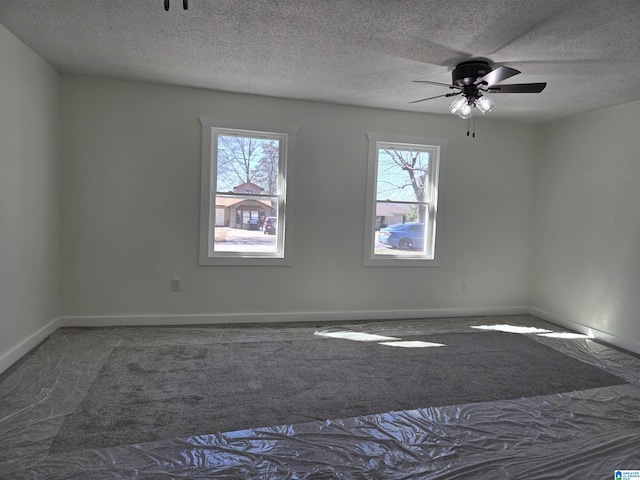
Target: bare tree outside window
point(247, 160)
point(267, 174)
point(403, 176)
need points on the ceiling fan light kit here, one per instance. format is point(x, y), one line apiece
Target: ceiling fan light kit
point(463, 106)
point(472, 80)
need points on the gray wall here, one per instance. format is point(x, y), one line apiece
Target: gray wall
point(131, 177)
point(29, 197)
point(586, 268)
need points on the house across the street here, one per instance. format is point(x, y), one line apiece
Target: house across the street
point(243, 211)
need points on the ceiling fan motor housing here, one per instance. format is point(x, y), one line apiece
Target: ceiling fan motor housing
point(466, 73)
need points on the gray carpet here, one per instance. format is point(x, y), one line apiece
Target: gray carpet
point(150, 393)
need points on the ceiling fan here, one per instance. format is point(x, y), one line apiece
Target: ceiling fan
point(472, 80)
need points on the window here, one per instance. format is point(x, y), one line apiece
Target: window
point(402, 201)
point(244, 193)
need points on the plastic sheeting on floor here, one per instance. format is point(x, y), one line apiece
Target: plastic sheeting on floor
point(587, 434)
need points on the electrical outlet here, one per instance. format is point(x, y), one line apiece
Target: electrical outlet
point(464, 288)
point(176, 284)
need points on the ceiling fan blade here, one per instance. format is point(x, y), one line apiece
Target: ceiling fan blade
point(437, 96)
point(497, 75)
point(435, 83)
point(518, 88)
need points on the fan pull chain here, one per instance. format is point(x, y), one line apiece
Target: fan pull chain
point(185, 5)
point(470, 127)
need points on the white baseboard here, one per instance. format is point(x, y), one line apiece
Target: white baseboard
point(9, 358)
point(240, 318)
point(619, 342)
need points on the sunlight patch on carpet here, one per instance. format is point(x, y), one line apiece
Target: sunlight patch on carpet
point(357, 336)
point(413, 344)
point(511, 329)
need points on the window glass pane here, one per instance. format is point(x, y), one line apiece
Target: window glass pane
point(245, 224)
point(402, 214)
point(401, 194)
point(247, 164)
point(402, 175)
point(245, 170)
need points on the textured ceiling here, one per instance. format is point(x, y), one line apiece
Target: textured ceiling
point(354, 52)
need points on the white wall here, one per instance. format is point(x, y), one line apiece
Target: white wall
point(130, 203)
point(29, 198)
point(586, 268)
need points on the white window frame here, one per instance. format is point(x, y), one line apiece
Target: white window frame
point(211, 127)
point(433, 230)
